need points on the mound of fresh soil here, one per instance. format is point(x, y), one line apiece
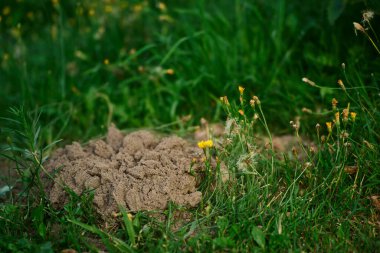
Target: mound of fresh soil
point(138, 171)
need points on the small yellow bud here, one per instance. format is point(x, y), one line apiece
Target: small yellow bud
point(241, 112)
point(241, 90)
point(106, 61)
point(334, 102)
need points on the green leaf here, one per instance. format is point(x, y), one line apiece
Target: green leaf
point(258, 236)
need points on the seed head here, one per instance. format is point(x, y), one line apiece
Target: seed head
point(368, 15)
point(341, 84)
point(308, 81)
point(252, 103)
point(256, 100)
point(359, 27)
point(224, 100)
point(306, 110)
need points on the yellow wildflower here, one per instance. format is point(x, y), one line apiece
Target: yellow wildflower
point(353, 116)
point(106, 61)
point(241, 90)
point(329, 127)
point(205, 144)
point(334, 102)
point(241, 112)
point(337, 121)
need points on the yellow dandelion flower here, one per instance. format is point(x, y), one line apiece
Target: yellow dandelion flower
point(329, 126)
point(205, 144)
point(353, 116)
point(241, 90)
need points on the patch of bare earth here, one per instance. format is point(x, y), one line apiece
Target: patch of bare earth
point(138, 171)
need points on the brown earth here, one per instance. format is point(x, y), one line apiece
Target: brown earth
point(138, 171)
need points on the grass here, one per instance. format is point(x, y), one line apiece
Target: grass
point(70, 68)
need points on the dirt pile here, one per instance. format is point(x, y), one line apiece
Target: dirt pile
point(138, 171)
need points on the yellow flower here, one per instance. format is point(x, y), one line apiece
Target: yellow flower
point(353, 116)
point(334, 102)
point(337, 121)
point(329, 127)
point(241, 90)
point(205, 144)
point(106, 61)
point(241, 112)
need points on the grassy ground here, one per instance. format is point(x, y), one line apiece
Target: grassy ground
point(69, 69)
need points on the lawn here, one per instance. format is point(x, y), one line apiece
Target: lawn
point(293, 85)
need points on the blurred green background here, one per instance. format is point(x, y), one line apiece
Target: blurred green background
point(84, 64)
